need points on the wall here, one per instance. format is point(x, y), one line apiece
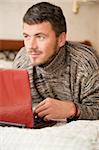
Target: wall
point(81, 26)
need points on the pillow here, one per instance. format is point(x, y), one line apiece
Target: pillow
point(5, 64)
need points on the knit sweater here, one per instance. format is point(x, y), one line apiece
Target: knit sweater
point(72, 75)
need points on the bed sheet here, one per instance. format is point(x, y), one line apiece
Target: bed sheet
point(77, 135)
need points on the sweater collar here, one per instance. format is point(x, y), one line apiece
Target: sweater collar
point(56, 64)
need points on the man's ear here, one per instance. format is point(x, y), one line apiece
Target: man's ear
point(62, 39)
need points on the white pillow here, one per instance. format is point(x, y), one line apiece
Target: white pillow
point(5, 64)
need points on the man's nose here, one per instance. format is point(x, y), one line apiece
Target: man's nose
point(32, 43)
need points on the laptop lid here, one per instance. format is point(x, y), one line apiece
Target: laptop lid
point(15, 98)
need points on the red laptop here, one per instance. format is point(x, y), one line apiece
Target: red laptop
point(16, 102)
point(15, 98)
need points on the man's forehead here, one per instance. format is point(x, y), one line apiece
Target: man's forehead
point(44, 27)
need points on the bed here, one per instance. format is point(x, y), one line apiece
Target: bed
point(76, 135)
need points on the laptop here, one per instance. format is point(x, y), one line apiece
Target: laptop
point(16, 102)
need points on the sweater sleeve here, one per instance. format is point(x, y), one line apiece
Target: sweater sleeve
point(85, 80)
point(89, 106)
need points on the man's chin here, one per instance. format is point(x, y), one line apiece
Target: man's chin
point(36, 63)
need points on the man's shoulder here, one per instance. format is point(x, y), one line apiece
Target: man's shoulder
point(82, 56)
point(81, 51)
point(80, 46)
point(22, 59)
point(22, 52)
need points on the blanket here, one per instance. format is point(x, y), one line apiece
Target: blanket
point(76, 135)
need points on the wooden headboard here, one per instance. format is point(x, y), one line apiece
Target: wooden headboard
point(9, 48)
point(11, 45)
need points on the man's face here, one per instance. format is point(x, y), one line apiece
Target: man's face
point(41, 42)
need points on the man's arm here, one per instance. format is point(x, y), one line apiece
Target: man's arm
point(89, 106)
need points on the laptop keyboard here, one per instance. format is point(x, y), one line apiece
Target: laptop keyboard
point(40, 123)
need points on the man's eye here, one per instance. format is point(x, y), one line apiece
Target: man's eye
point(41, 38)
point(25, 36)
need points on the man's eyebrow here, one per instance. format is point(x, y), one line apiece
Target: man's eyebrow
point(36, 34)
point(25, 33)
point(40, 33)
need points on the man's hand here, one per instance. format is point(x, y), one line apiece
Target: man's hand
point(51, 109)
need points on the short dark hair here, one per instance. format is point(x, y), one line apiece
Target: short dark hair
point(45, 11)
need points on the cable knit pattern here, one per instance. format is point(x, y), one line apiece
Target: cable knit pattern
point(72, 75)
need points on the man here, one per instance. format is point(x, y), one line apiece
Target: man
point(64, 76)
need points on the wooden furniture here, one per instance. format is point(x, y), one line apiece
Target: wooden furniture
point(11, 44)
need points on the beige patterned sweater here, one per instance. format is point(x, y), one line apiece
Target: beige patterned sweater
point(72, 75)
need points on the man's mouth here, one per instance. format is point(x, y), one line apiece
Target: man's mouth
point(34, 54)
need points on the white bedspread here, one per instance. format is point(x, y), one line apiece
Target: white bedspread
point(77, 135)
